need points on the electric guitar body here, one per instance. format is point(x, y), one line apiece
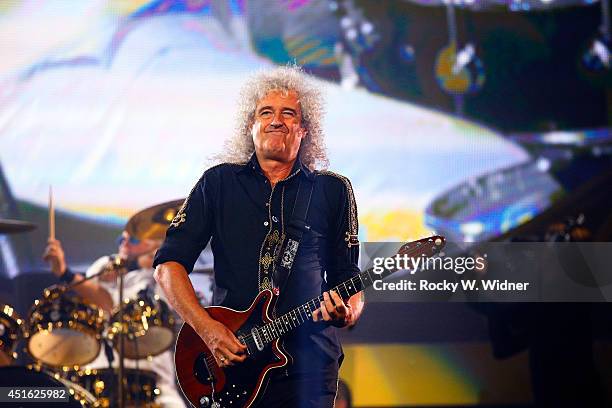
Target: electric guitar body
point(204, 383)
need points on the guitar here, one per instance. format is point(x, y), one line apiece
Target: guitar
point(205, 384)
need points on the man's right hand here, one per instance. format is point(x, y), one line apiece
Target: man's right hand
point(220, 340)
point(222, 343)
point(54, 254)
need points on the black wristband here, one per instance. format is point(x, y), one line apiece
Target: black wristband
point(67, 277)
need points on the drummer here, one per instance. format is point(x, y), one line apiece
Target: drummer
point(104, 292)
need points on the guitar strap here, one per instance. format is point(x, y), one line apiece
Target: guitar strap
point(294, 233)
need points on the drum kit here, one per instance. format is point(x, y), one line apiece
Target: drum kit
point(58, 332)
point(63, 333)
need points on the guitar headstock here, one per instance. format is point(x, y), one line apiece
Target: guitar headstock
point(426, 246)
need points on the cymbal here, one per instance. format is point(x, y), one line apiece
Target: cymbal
point(152, 222)
point(14, 226)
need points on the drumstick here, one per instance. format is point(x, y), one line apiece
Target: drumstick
point(51, 214)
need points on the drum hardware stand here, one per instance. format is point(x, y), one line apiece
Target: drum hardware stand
point(121, 338)
point(116, 264)
point(108, 351)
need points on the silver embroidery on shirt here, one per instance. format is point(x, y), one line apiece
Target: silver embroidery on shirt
point(289, 254)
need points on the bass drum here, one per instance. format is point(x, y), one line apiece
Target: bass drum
point(10, 333)
point(28, 377)
point(140, 387)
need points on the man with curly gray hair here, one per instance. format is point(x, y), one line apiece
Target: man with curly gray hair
point(240, 147)
point(279, 224)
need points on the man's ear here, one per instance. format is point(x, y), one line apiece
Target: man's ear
point(252, 128)
point(303, 130)
point(251, 122)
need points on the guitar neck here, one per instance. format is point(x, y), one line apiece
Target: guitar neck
point(296, 317)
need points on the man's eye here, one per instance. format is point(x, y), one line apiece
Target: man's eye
point(288, 114)
point(266, 113)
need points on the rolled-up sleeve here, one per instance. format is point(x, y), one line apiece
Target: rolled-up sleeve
point(344, 257)
point(190, 230)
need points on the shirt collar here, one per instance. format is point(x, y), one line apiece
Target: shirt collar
point(253, 165)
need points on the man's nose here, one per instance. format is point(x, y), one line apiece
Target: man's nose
point(276, 120)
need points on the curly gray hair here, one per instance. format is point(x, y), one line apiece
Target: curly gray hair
point(239, 148)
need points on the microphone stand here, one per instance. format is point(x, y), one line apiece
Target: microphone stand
point(116, 264)
point(121, 373)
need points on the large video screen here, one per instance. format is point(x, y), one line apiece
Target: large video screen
point(119, 104)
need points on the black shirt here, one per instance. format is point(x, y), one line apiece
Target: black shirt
point(246, 218)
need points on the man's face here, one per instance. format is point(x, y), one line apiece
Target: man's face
point(277, 131)
point(131, 248)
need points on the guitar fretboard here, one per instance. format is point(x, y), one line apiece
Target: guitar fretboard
point(296, 317)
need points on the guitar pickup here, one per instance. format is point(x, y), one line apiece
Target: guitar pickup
point(249, 345)
point(202, 371)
